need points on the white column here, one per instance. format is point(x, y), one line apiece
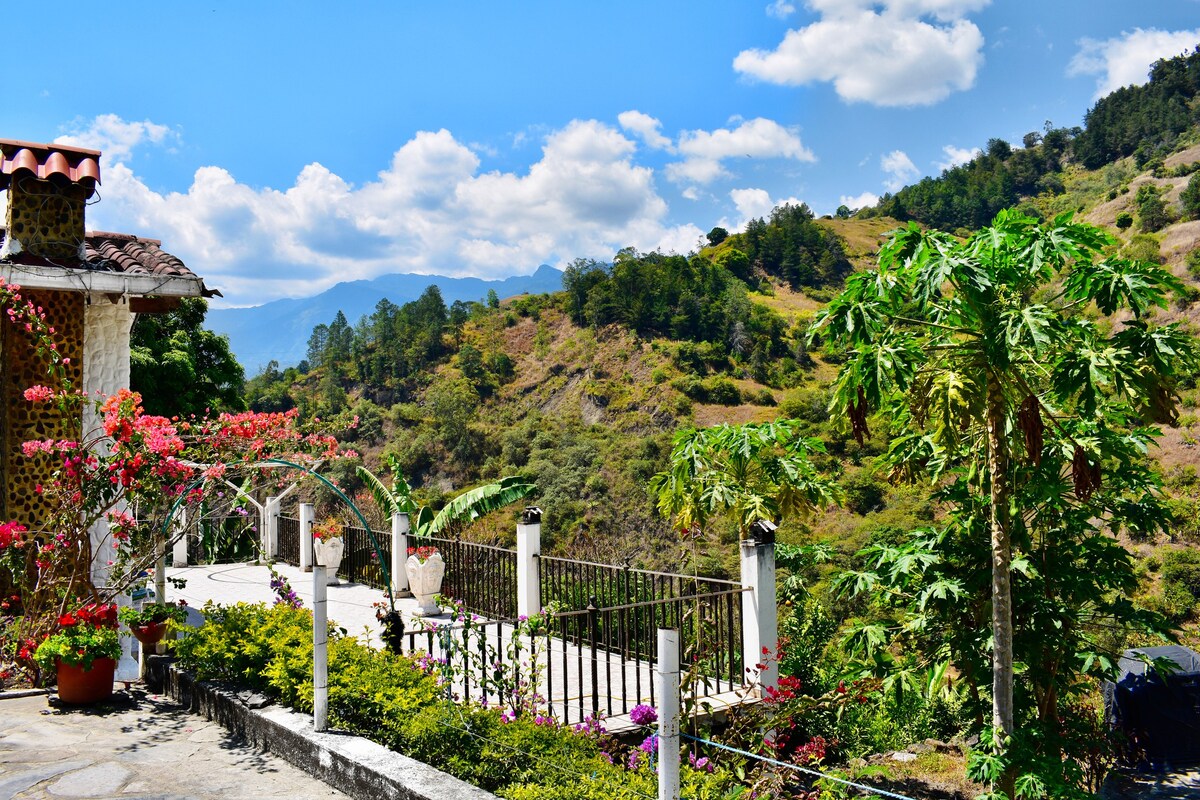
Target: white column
point(106, 326)
point(760, 623)
point(529, 547)
point(667, 676)
point(306, 535)
point(271, 529)
point(320, 649)
point(400, 555)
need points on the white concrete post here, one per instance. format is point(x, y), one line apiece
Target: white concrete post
point(760, 623)
point(400, 555)
point(529, 547)
point(179, 544)
point(306, 536)
point(271, 529)
point(160, 572)
point(668, 714)
point(320, 649)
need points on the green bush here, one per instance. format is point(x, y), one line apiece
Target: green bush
point(1182, 568)
point(391, 700)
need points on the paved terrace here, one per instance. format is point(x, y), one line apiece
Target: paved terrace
point(568, 673)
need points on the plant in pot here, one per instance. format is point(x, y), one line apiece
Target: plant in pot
point(328, 546)
point(148, 624)
point(425, 568)
point(83, 652)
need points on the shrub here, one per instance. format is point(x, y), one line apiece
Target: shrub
point(1124, 219)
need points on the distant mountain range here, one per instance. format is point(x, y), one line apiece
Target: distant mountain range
point(279, 330)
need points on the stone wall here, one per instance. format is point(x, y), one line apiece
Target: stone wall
point(21, 420)
point(45, 218)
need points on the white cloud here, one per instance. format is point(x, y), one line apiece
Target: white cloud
point(704, 151)
point(429, 210)
point(114, 137)
point(956, 156)
point(646, 128)
point(1125, 60)
point(856, 202)
point(756, 203)
point(900, 169)
point(781, 9)
point(889, 53)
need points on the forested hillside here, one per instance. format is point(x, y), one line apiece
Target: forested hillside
point(1145, 122)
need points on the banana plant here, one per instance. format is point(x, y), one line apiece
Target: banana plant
point(467, 507)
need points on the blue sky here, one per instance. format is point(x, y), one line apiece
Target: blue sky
point(281, 147)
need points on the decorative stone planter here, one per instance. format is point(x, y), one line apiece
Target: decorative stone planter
point(329, 555)
point(80, 687)
point(425, 581)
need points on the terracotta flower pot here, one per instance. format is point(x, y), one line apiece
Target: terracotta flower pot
point(150, 633)
point(79, 686)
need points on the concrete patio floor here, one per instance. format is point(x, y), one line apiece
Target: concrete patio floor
point(349, 604)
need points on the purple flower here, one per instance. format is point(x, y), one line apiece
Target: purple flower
point(649, 745)
point(701, 763)
point(643, 715)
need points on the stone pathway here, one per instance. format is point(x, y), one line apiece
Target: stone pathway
point(138, 746)
point(1181, 784)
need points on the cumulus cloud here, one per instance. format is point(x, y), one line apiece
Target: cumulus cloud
point(900, 169)
point(1125, 60)
point(756, 203)
point(781, 9)
point(889, 53)
point(429, 210)
point(115, 137)
point(855, 202)
point(704, 151)
point(646, 128)
point(956, 156)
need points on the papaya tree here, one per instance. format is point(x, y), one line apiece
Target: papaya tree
point(1017, 366)
point(757, 471)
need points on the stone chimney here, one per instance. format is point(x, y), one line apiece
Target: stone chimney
point(48, 187)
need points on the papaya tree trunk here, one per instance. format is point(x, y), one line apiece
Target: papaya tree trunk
point(1002, 624)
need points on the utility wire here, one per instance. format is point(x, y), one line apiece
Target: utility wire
point(806, 771)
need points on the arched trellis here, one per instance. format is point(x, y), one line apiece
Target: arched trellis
point(279, 462)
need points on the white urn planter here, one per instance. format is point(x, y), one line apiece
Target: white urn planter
point(328, 554)
point(425, 581)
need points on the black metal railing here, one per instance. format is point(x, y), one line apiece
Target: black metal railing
point(593, 662)
point(360, 561)
point(289, 541)
point(572, 585)
point(481, 576)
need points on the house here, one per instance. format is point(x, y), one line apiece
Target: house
point(91, 285)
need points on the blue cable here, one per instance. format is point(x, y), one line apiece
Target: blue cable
point(812, 772)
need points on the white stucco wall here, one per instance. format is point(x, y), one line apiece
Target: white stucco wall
point(105, 369)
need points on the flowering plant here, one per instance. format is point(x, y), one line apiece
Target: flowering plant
point(423, 553)
point(83, 636)
point(152, 613)
point(326, 529)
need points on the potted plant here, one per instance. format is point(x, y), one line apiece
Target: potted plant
point(425, 568)
point(328, 547)
point(83, 652)
point(148, 624)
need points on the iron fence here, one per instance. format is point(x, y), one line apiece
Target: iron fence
point(572, 585)
point(289, 541)
point(360, 561)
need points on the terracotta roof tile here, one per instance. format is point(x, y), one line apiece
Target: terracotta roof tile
point(53, 162)
point(119, 252)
